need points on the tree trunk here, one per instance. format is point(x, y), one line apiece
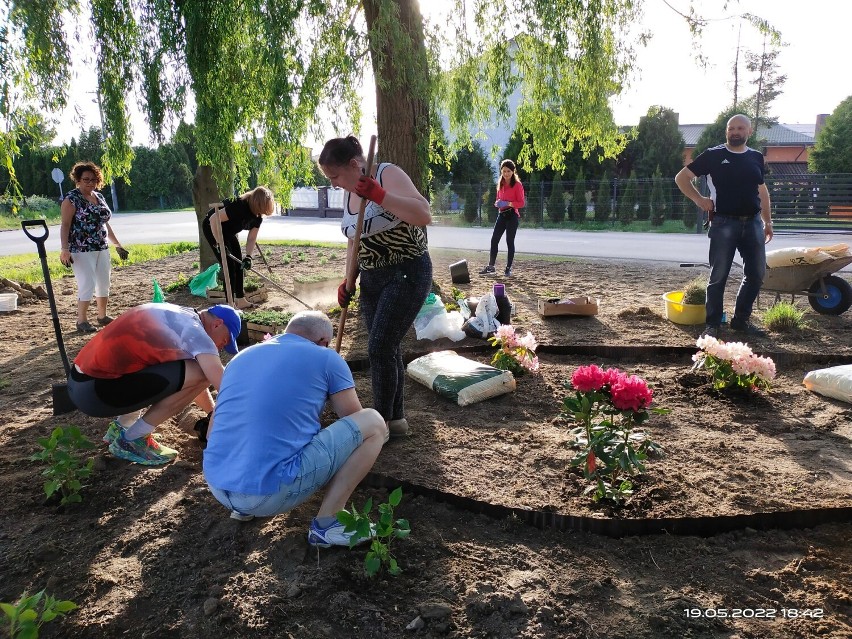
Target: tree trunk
point(204, 193)
point(402, 88)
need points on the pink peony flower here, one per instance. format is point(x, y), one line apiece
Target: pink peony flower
point(587, 378)
point(611, 376)
point(630, 393)
point(506, 335)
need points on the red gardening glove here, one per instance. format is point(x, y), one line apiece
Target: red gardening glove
point(344, 297)
point(369, 189)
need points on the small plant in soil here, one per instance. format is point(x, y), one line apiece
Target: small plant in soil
point(288, 257)
point(784, 317)
point(387, 529)
point(608, 405)
point(267, 317)
point(26, 617)
point(181, 281)
point(66, 471)
point(695, 291)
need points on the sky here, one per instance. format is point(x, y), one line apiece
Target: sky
point(666, 72)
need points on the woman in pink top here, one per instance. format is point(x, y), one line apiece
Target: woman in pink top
point(510, 199)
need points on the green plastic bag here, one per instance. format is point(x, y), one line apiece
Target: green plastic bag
point(158, 293)
point(199, 284)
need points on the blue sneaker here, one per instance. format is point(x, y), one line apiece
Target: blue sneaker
point(114, 430)
point(334, 535)
point(138, 451)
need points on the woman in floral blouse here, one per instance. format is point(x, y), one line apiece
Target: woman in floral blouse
point(83, 233)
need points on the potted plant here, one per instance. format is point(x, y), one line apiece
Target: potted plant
point(687, 306)
point(260, 323)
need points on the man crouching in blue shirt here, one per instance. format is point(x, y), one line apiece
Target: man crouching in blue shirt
point(266, 451)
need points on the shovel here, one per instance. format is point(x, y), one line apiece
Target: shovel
point(61, 400)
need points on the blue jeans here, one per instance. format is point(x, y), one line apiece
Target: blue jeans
point(728, 235)
point(319, 462)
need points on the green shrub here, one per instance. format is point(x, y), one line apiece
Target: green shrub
point(784, 317)
point(695, 291)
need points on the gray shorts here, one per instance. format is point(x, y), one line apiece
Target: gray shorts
point(110, 397)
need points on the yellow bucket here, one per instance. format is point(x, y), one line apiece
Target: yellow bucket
point(681, 313)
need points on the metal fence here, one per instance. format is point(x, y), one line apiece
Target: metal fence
point(807, 201)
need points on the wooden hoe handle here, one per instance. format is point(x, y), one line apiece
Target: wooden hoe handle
point(352, 271)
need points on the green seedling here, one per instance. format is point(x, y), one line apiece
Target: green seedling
point(268, 318)
point(457, 294)
point(66, 471)
point(27, 616)
point(387, 529)
point(288, 257)
point(4, 382)
point(181, 281)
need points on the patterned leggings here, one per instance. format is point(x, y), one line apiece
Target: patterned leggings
point(390, 300)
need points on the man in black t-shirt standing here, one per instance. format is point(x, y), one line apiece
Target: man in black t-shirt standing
point(740, 220)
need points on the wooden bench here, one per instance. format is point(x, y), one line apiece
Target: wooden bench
point(840, 210)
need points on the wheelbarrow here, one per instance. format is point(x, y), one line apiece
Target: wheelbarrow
point(827, 294)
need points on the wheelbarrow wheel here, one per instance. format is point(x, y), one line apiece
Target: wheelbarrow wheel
point(837, 297)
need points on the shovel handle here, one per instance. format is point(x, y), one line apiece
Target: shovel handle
point(38, 239)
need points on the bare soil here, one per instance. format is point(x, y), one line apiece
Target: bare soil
point(149, 553)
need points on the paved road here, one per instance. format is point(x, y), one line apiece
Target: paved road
point(153, 228)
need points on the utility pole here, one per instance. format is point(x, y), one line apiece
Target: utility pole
point(103, 139)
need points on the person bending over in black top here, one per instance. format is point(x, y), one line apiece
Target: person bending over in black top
point(244, 213)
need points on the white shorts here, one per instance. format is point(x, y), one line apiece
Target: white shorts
point(91, 269)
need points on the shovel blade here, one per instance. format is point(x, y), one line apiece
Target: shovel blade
point(61, 399)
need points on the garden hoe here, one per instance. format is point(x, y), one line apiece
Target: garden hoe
point(61, 400)
point(275, 284)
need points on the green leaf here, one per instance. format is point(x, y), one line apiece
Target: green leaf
point(65, 606)
point(395, 497)
point(48, 615)
point(393, 567)
point(28, 631)
point(368, 506)
point(51, 487)
point(8, 610)
point(28, 615)
point(372, 564)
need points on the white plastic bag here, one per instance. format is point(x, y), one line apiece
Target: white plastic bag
point(834, 382)
point(485, 321)
point(433, 322)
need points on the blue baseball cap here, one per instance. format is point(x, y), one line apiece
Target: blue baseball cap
point(232, 320)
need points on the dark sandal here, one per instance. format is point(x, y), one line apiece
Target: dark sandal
point(85, 327)
point(103, 321)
